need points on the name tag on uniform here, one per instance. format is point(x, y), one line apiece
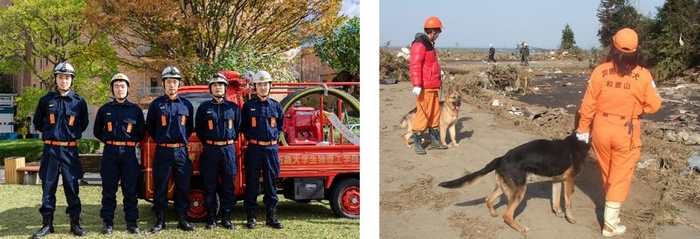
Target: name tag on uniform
point(252, 109)
point(109, 113)
point(162, 107)
point(208, 111)
point(50, 105)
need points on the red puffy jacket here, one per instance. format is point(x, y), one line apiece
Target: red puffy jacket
point(424, 67)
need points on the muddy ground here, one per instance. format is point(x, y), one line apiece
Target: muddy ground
point(663, 202)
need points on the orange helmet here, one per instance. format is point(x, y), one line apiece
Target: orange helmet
point(433, 22)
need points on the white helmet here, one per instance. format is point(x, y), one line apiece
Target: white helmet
point(218, 78)
point(119, 77)
point(171, 72)
point(262, 76)
point(64, 68)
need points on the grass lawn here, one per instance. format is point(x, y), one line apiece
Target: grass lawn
point(19, 218)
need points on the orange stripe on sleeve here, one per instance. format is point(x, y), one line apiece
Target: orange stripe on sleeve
point(109, 126)
point(71, 120)
point(128, 128)
point(254, 122)
point(52, 118)
point(163, 121)
point(211, 124)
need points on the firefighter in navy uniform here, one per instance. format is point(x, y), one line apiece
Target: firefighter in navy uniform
point(169, 122)
point(262, 122)
point(217, 123)
point(61, 116)
point(120, 125)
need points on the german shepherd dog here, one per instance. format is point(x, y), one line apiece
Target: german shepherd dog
point(449, 111)
point(559, 160)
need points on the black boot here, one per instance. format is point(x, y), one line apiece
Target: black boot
point(132, 227)
point(226, 221)
point(107, 227)
point(435, 142)
point(417, 146)
point(250, 224)
point(272, 218)
point(75, 226)
point(184, 224)
point(211, 221)
point(46, 227)
point(160, 223)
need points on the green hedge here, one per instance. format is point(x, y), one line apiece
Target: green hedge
point(31, 149)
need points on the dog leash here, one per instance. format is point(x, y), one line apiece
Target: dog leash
point(630, 125)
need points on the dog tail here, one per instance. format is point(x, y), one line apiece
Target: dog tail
point(405, 118)
point(472, 178)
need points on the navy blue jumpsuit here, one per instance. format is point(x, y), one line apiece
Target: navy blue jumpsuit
point(261, 123)
point(170, 124)
point(120, 126)
point(61, 120)
point(217, 127)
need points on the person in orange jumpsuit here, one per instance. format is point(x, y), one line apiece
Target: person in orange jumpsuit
point(619, 91)
point(426, 79)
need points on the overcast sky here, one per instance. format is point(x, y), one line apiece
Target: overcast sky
point(350, 8)
point(503, 23)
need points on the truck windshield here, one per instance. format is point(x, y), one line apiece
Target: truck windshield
point(196, 98)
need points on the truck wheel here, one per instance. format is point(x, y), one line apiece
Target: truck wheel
point(197, 211)
point(345, 200)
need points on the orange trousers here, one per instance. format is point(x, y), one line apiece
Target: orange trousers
point(618, 152)
point(427, 110)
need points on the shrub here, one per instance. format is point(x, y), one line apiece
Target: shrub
point(31, 149)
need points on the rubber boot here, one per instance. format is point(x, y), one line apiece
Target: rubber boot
point(75, 226)
point(184, 224)
point(251, 221)
point(272, 218)
point(160, 222)
point(417, 146)
point(132, 227)
point(435, 142)
point(46, 227)
point(611, 216)
point(211, 221)
point(226, 221)
point(107, 227)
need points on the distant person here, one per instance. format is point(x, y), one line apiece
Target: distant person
point(426, 79)
point(62, 117)
point(524, 54)
point(492, 53)
point(32, 131)
point(619, 91)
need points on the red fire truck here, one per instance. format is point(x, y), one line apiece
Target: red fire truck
point(315, 164)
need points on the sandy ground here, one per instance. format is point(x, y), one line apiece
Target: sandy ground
point(412, 206)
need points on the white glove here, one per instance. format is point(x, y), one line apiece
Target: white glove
point(416, 90)
point(583, 137)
